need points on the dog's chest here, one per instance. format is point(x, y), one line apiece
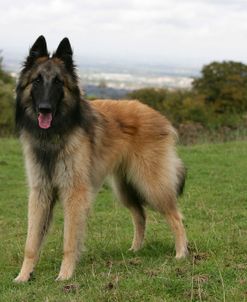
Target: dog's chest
point(59, 164)
point(64, 172)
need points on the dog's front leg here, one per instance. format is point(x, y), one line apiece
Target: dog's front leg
point(40, 208)
point(76, 204)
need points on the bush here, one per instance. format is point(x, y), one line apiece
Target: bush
point(179, 105)
point(7, 84)
point(151, 96)
point(224, 85)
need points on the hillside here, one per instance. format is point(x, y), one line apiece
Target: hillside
point(215, 209)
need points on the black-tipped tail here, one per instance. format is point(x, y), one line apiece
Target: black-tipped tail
point(182, 172)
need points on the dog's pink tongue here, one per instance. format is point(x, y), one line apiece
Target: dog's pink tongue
point(45, 120)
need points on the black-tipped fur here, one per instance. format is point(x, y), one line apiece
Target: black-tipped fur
point(134, 197)
point(182, 173)
point(39, 49)
point(65, 118)
point(64, 52)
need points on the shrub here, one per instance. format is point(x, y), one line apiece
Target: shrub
point(224, 85)
point(7, 84)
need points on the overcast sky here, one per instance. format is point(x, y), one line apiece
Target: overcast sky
point(180, 32)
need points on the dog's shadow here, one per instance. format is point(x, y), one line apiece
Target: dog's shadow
point(149, 251)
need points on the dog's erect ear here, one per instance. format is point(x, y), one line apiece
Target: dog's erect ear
point(64, 49)
point(39, 49)
point(64, 52)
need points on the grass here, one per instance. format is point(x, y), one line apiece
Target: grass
point(214, 205)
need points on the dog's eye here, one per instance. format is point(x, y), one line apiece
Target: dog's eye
point(58, 81)
point(37, 80)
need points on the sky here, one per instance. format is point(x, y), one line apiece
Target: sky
point(171, 32)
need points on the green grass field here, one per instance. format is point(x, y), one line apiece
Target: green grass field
point(214, 205)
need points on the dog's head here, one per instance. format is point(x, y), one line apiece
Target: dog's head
point(47, 91)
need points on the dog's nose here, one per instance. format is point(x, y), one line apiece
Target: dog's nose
point(44, 107)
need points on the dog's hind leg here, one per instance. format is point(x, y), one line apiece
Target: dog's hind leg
point(174, 219)
point(40, 209)
point(131, 198)
point(164, 200)
point(76, 203)
point(160, 183)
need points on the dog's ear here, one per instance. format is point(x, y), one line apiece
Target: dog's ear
point(39, 49)
point(64, 52)
point(64, 49)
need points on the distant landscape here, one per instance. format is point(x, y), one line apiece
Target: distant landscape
point(114, 79)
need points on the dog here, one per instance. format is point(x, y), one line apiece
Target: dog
point(71, 145)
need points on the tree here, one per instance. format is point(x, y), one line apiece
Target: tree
point(224, 85)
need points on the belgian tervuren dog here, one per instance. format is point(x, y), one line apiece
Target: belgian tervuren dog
point(70, 147)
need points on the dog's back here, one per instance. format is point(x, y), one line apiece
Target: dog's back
point(138, 135)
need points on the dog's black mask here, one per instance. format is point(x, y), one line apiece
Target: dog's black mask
point(48, 96)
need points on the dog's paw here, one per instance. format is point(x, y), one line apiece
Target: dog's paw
point(182, 254)
point(22, 278)
point(134, 248)
point(63, 276)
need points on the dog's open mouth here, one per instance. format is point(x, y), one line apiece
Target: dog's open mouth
point(45, 119)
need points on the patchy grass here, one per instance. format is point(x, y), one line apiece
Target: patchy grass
point(214, 205)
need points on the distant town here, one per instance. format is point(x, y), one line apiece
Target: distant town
point(105, 79)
